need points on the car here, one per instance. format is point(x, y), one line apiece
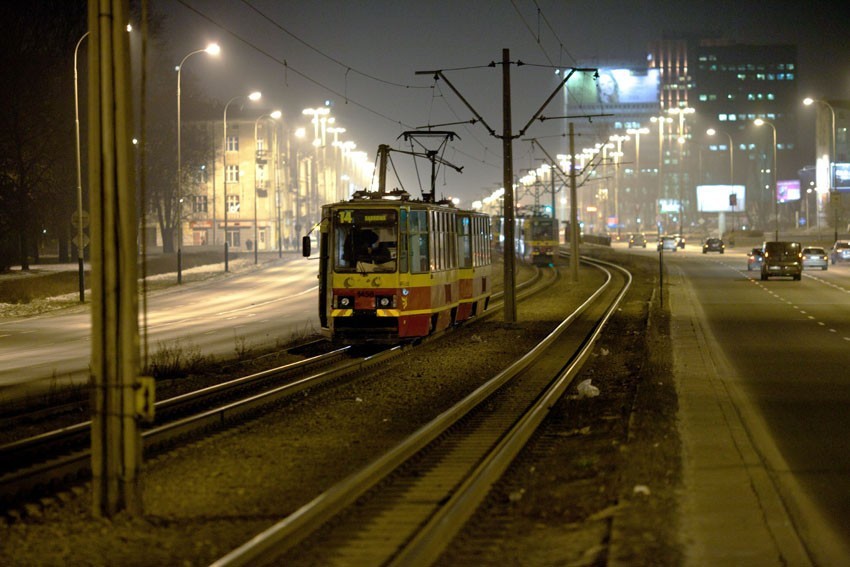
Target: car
point(713, 245)
point(815, 257)
point(680, 240)
point(637, 240)
point(840, 251)
point(782, 259)
point(754, 259)
point(667, 243)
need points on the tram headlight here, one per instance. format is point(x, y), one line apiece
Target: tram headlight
point(344, 301)
point(385, 301)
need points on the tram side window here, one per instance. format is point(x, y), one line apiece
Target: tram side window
point(402, 242)
point(465, 238)
point(418, 242)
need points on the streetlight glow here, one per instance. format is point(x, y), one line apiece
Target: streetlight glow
point(212, 49)
point(761, 122)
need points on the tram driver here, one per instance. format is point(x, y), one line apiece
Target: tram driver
point(369, 250)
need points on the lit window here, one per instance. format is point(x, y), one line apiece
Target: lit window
point(722, 117)
point(233, 203)
point(233, 143)
point(232, 174)
point(199, 204)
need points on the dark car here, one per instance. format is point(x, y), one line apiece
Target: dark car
point(680, 240)
point(840, 251)
point(754, 259)
point(713, 245)
point(782, 259)
point(637, 240)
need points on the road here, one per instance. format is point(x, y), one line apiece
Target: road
point(245, 310)
point(787, 346)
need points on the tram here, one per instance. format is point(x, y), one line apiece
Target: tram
point(393, 268)
point(535, 238)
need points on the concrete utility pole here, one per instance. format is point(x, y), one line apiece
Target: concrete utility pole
point(507, 179)
point(574, 232)
point(116, 440)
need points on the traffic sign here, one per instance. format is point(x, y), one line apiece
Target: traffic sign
point(76, 241)
point(75, 219)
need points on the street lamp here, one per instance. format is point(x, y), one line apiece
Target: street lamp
point(273, 116)
point(80, 235)
point(713, 132)
point(254, 96)
point(322, 111)
point(212, 49)
point(760, 122)
point(832, 151)
point(617, 139)
point(681, 111)
point(636, 132)
point(661, 120)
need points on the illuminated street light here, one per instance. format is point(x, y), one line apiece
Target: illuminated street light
point(681, 112)
point(713, 132)
point(660, 120)
point(81, 245)
point(617, 139)
point(832, 154)
point(637, 132)
point(760, 122)
point(254, 96)
point(212, 49)
point(273, 116)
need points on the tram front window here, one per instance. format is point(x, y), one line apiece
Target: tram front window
point(366, 248)
point(541, 231)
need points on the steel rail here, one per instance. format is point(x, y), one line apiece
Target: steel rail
point(290, 531)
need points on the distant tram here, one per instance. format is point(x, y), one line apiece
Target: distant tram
point(535, 238)
point(392, 268)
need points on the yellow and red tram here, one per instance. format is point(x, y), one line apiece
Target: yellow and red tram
point(392, 268)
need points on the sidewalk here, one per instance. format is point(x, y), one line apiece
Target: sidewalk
point(730, 510)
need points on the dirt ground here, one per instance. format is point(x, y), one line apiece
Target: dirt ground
point(596, 486)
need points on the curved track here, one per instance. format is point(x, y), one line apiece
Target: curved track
point(405, 507)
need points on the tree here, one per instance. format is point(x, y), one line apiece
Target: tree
point(36, 116)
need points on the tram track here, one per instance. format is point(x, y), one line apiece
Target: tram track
point(407, 505)
point(39, 465)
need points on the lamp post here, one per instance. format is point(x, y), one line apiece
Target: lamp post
point(273, 116)
point(211, 49)
point(760, 122)
point(713, 132)
point(681, 112)
point(636, 132)
point(832, 153)
point(80, 235)
point(617, 139)
point(322, 111)
point(254, 96)
point(661, 120)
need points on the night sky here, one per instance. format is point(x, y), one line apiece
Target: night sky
point(363, 56)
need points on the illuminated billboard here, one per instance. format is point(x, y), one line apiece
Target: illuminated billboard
point(841, 176)
point(667, 206)
point(615, 86)
point(788, 190)
point(721, 198)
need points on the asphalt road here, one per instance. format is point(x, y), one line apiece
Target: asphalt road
point(787, 344)
point(244, 310)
